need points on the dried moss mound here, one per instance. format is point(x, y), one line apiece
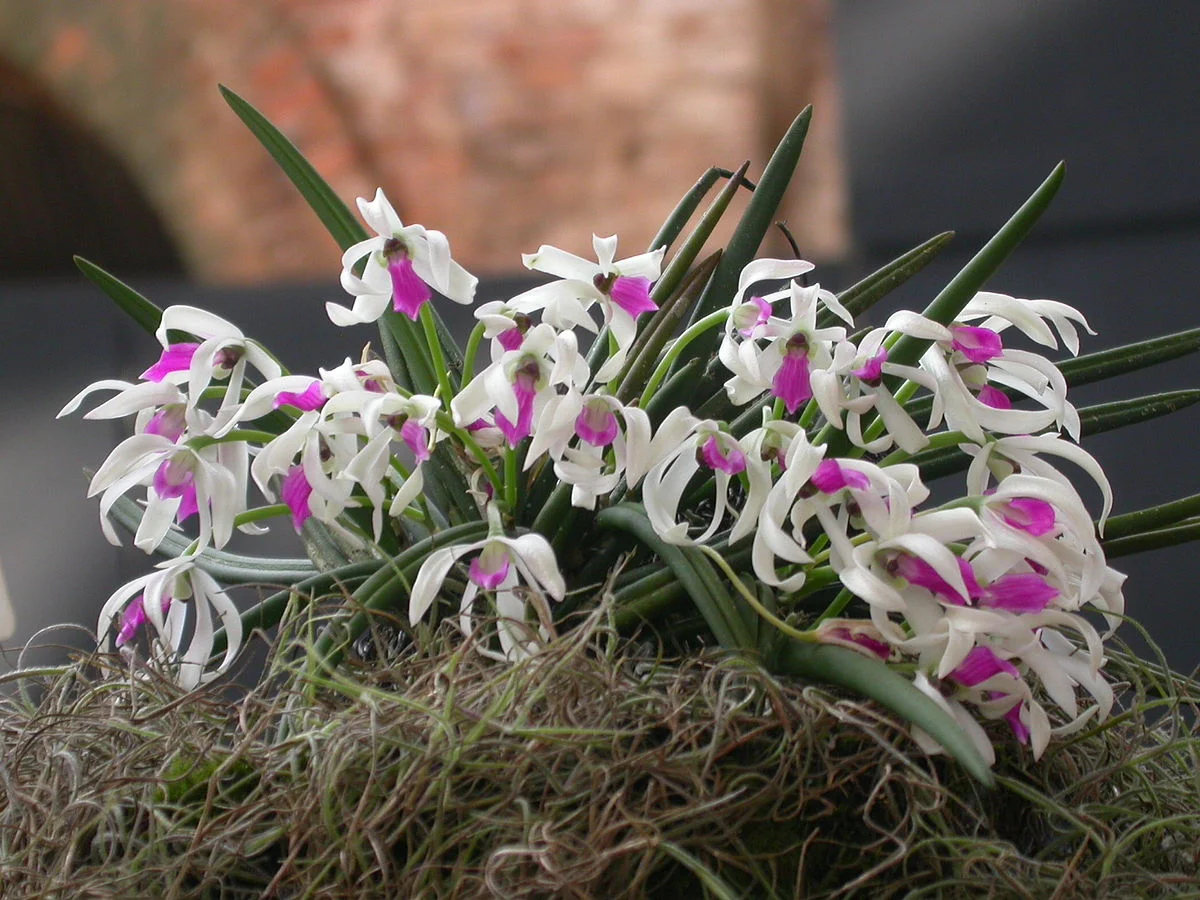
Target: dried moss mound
point(594, 771)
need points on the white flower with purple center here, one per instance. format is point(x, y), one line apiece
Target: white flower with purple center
point(520, 383)
point(224, 354)
point(404, 264)
point(181, 480)
point(621, 287)
point(182, 604)
point(518, 573)
point(709, 450)
point(796, 347)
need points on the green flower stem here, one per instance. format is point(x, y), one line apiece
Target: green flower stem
point(260, 513)
point(510, 478)
point(753, 601)
point(835, 607)
point(1144, 520)
point(446, 423)
point(433, 342)
point(472, 351)
point(709, 322)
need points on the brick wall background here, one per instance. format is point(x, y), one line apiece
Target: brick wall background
point(505, 123)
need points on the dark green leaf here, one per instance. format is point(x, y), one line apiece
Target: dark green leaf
point(871, 678)
point(862, 296)
point(130, 302)
point(1153, 540)
point(1144, 520)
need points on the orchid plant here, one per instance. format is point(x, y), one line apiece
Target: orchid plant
point(648, 436)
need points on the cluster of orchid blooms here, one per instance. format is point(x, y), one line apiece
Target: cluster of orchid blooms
point(974, 596)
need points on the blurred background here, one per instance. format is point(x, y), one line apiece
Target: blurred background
point(512, 123)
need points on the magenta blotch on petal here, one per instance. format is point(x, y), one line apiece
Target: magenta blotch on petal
point(830, 477)
point(409, 292)
point(134, 618)
point(1028, 514)
point(1019, 592)
point(417, 438)
point(732, 462)
point(994, 397)
point(975, 343)
point(632, 295)
point(916, 571)
point(175, 358)
point(980, 664)
point(596, 424)
point(511, 339)
point(749, 315)
point(295, 493)
point(490, 568)
point(311, 399)
point(1014, 720)
point(791, 383)
point(169, 422)
point(872, 372)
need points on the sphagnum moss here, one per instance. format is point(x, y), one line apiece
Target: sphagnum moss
point(592, 770)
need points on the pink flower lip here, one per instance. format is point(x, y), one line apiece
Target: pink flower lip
point(596, 424)
point(409, 292)
point(792, 383)
point(416, 437)
point(1028, 514)
point(488, 579)
point(169, 422)
point(830, 477)
point(732, 462)
point(975, 343)
point(295, 492)
point(134, 618)
point(1019, 592)
point(310, 399)
point(916, 571)
point(994, 397)
point(174, 358)
point(632, 295)
point(980, 664)
point(750, 315)
point(872, 371)
point(511, 338)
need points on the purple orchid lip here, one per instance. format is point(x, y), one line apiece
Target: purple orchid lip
point(1019, 592)
point(830, 477)
point(732, 462)
point(994, 397)
point(488, 579)
point(975, 343)
point(511, 338)
point(793, 383)
point(295, 492)
point(596, 424)
point(917, 571)
point(174, 358)
point(134, 618)
point(409, 292)
point(632, 295)
point(415, 436)
point(1028, 514)
point(980, 664)
point(750, 315)
point(872, 371)
point(308, 400)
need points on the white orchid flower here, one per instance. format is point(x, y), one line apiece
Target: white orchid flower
point(518, 572)
point(179, 600)
point(621, 287)
point(223, 354)
point(181, 481)
point(403, 264)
